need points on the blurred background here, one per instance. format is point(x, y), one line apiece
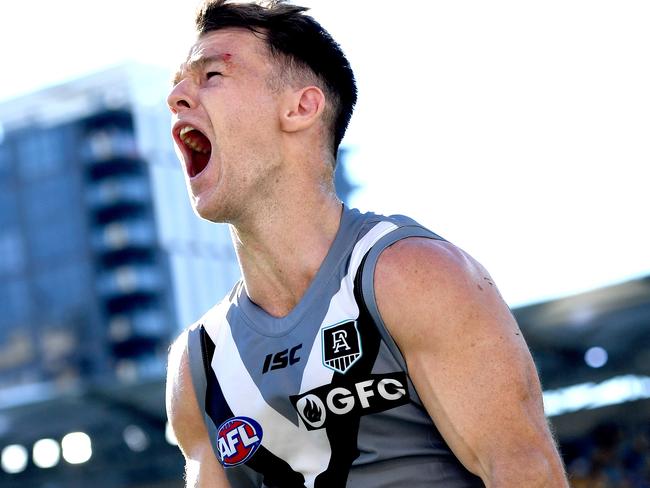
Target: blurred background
point(517, 130)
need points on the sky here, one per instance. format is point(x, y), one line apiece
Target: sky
point(518, 130)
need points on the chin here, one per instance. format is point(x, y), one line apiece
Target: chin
point(210, 213)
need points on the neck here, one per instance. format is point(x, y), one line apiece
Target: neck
point(281, 251)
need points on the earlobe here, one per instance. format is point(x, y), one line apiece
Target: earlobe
point(305, 108)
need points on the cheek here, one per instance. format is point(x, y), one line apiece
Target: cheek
point(244, 121)
point(252, 126)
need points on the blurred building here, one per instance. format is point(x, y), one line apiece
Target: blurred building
point(101, 257)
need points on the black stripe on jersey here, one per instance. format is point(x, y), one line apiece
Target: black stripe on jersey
point(276, 472)
point(215, 403)
point(343, 431)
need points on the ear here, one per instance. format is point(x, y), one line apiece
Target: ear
point(303, 108)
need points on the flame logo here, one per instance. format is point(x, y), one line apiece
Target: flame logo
point(312, 412)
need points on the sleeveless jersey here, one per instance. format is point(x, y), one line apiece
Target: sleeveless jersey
point(322, 397)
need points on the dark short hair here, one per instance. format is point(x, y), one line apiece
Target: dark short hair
point(299, 42)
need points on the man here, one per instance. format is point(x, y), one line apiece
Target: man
point(358, 350)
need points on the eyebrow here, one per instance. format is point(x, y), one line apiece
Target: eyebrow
point(196, 65)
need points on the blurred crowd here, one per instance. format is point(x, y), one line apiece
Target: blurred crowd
point(611, 456)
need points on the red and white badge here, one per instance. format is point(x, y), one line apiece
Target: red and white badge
point(237, 440)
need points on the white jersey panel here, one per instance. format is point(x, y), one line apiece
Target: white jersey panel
point(343, 307)
point(281, 436)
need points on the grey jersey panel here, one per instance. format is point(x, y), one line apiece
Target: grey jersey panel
point(338, 411)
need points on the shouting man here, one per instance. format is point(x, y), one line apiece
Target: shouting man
point(357, 350)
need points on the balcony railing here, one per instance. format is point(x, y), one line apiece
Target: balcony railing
point(139, 323)
point(105, 144)
point(127, 280)
point(118, 190)
point(122, 235)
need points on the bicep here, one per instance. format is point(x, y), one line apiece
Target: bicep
point(464, 352)
point(202, 469)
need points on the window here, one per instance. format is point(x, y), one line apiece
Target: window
point(52, 197)
point(16, 308)
point(9, 216)
point(41, 152)
point(6, 160)
point(56, 239)
point(63, 288)
point(12, 258)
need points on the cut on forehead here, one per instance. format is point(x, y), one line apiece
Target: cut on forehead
point(229, 43)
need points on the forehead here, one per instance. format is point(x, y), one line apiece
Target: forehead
point(240, 45)
point(231, 47)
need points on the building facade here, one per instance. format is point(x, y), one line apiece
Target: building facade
point(101, 259)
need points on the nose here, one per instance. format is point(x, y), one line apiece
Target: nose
point(182, 97)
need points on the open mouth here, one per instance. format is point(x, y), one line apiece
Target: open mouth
point(199, 149)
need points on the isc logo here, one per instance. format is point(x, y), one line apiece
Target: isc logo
point(237, 440)
point(281, 359)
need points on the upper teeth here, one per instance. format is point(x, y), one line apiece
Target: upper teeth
point(186, 129)
point(193, 142)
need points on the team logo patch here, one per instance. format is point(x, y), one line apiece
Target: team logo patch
point(341, 346)
point(237, 440)
point(332, 402)
point(312, 410)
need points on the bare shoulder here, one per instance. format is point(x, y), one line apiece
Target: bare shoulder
point(424, 258)
point(187, 422)
point(468, 361)
point(427, 277)
point(441, 304)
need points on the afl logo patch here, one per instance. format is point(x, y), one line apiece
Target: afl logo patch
point(237, 440)
point(341, 346)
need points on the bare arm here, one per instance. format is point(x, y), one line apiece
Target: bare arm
point(469, 363)
point(202, 470)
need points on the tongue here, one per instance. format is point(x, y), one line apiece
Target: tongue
point(199, 139)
